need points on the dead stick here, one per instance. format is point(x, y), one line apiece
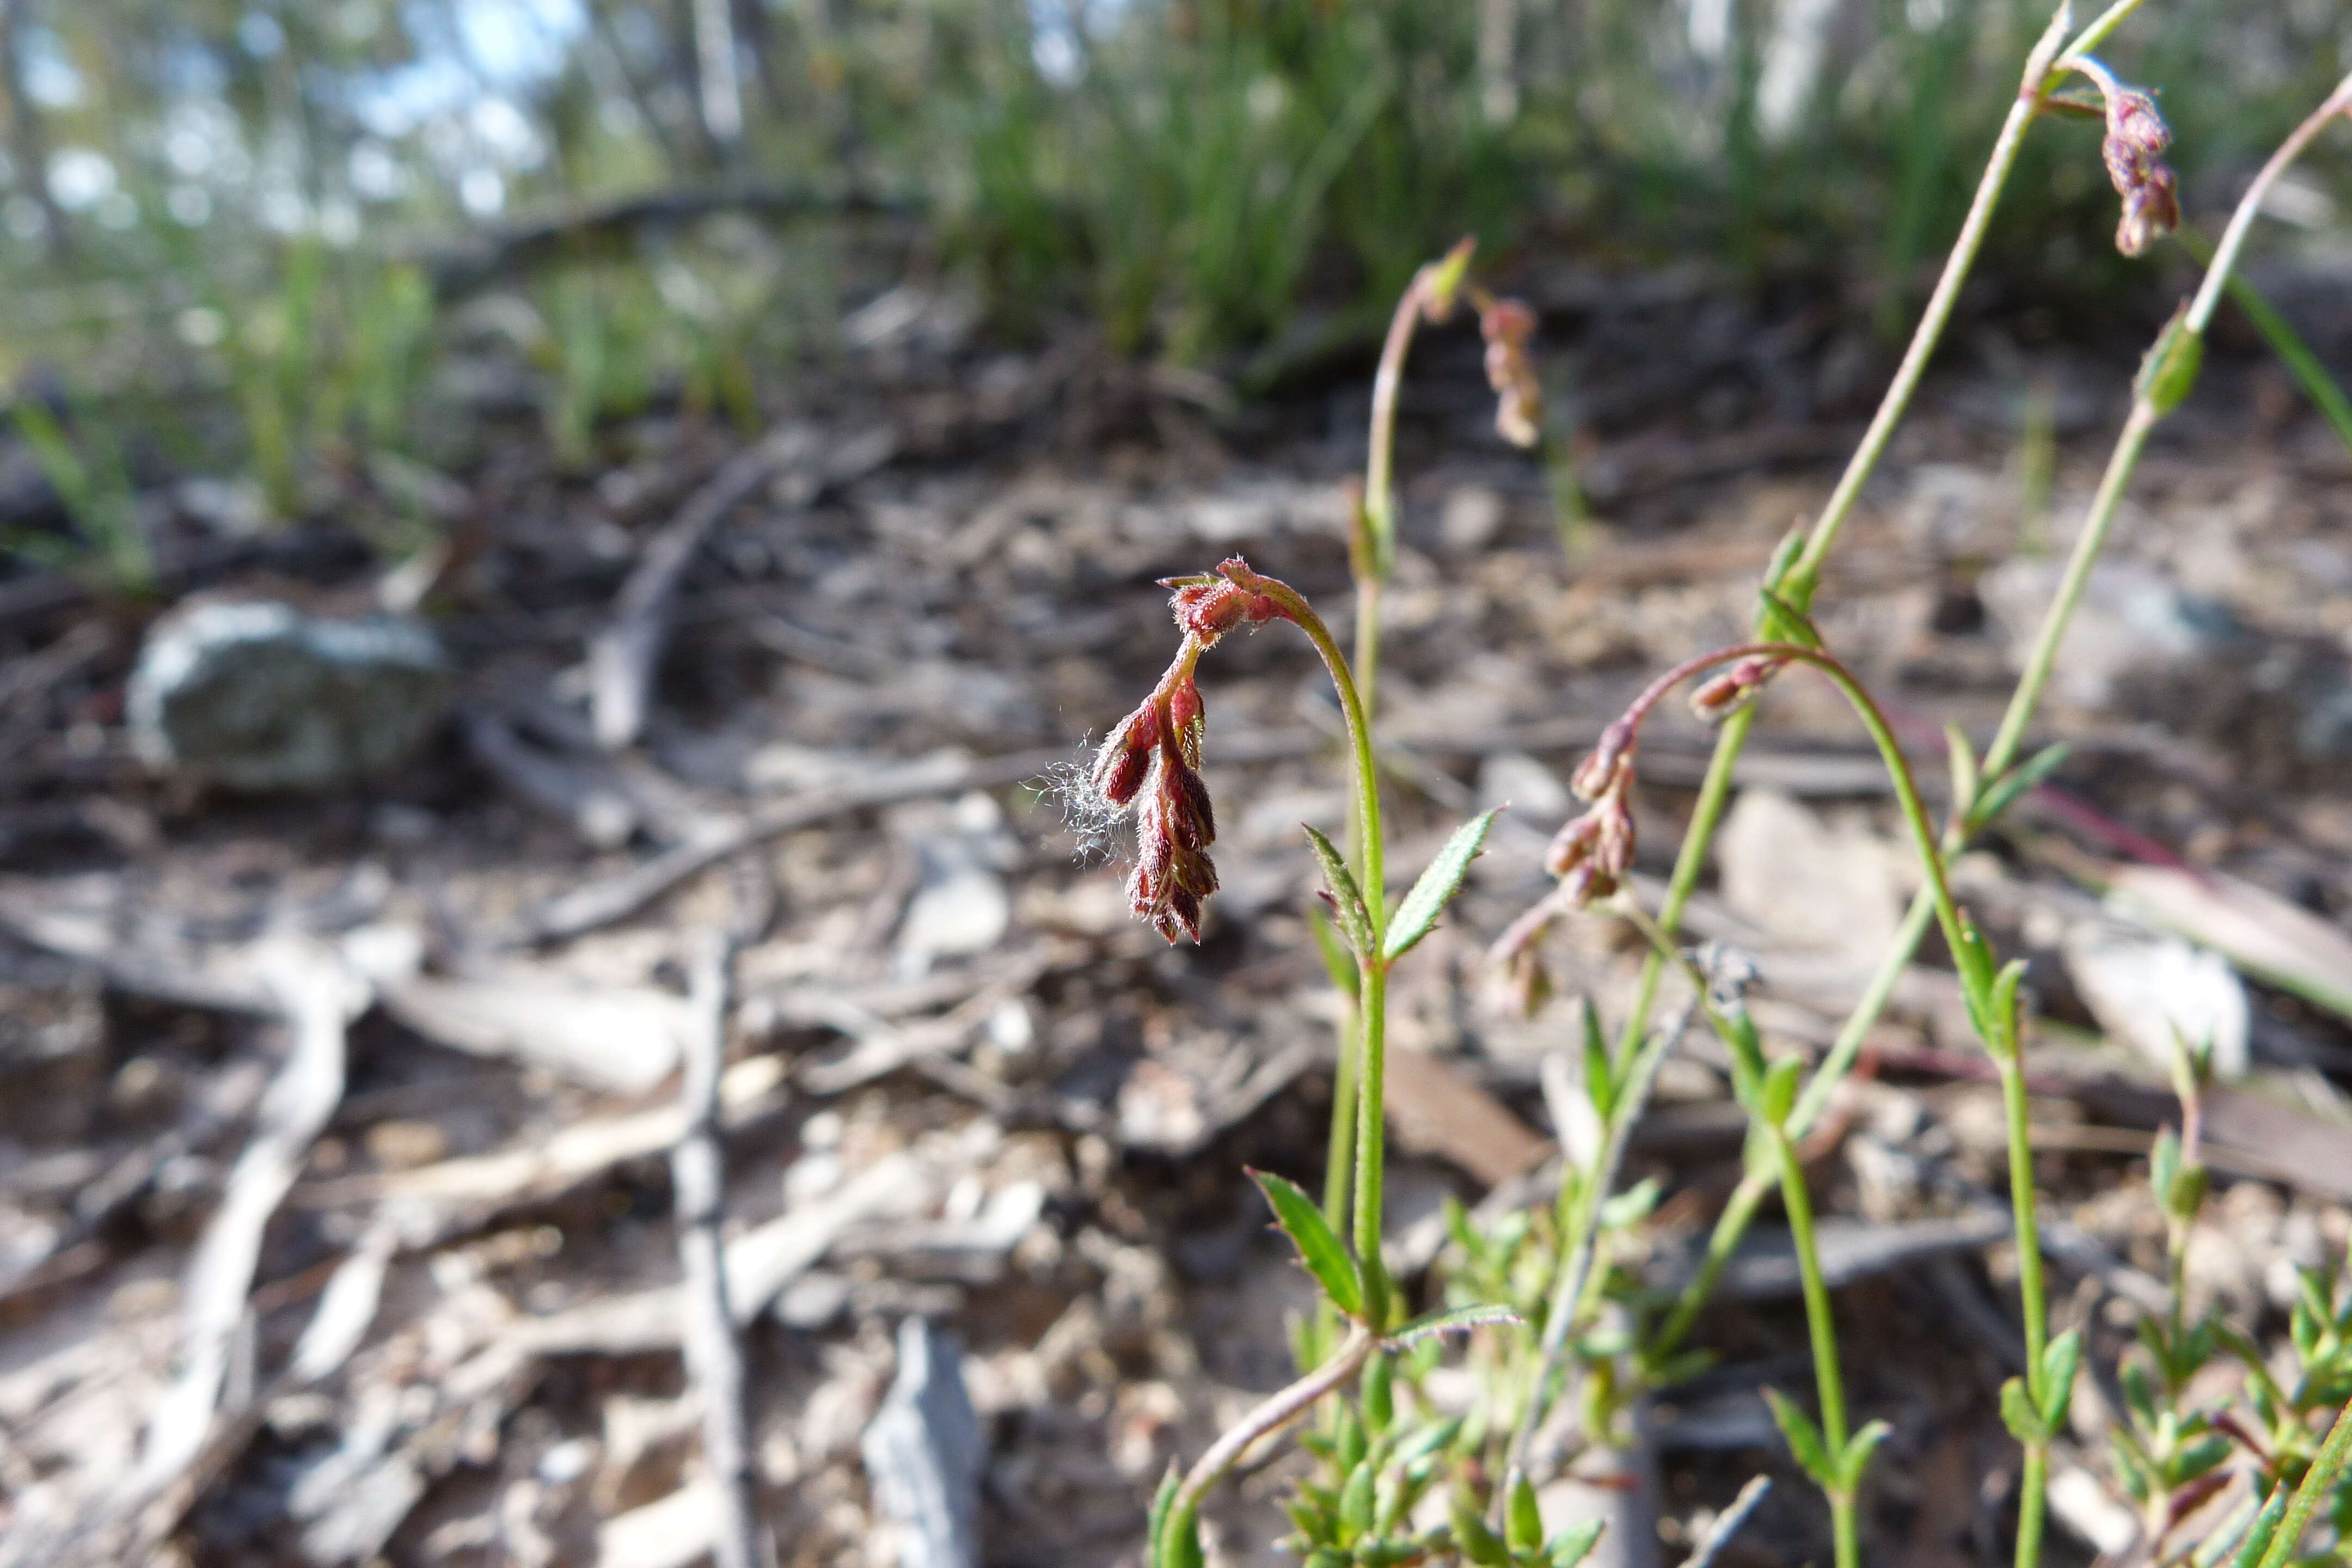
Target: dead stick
point(621, 658)
point(617, 898)
point(1727, 1523)
point(714, 1359)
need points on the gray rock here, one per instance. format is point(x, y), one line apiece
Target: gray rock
point(924, 1452)
point(258, 696)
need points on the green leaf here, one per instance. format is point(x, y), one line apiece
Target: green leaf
point(1356, 1501)
point(1177, 1542)
point(1784, 558)
point(1780, 1088)
point(1783, 622)
point(1423, 1441)
point(2294, 354)
point(1337, 962)
point(2258, 1539)
point(1157, 1520)
point(2024, 1422)
point(1452, 1321)
point(1631, 1206)
point(1805, 1439)
point(1962, 755)
point(1348, 909)
point(1320, 1248)
point(1379, 1394)
point(1522, 1519)
point(1574, 1544)
point(1438, 886)
point(1390, 1554)
point(1600, 1073)
point(2169, 370)
point(2060, 1358)
point(1471, 1536)
point(2004, 793)
point(1858, 1450)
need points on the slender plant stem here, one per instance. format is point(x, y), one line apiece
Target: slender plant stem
point(2233, 238)
point(2008, 742)
point(2022, 702)
point(1580, 1238)
point(2032, 1299)
point(1371, 999)
point(1821, 1328)
point(1715, 792)
point(1339, 1157)
point(2317, 1482)
point(1821, 1322)
point(1276, 1411)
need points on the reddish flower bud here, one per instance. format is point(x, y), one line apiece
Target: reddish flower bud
point(1598, 774)
point(1208, 610)
point(1174, 826)
point(1507, 325)
point(1188, 719)
point(2134, 153)
point(1573, 844)
point(1126, 756)
point(1723, 694)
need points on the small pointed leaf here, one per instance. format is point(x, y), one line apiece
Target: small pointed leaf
point(1319, 1246)
point(1438, 886)
point(1962, 754)
point(1354, 920)
point(1574, 1544)
point(1522, 1519)
point(2017, 1411)
point(1600, 1073)
point(1471, 1536)
point(2060, 1358)
point(1780, 1088)
point(1379, 1394)
point(1858, 1450)
point(1452, 1321)
point(1337, 962)
point(1356, 1501)
point(2003, 792)
point(1805, 1439)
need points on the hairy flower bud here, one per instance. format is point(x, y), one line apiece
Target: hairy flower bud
point(1723, 694)
point(1598, 774)
point(1592, 853)
point(1507, 325)
point(1174, 826)
point(1208, 610)
point(1188, 718)
point(1126, 756)
point(2134, 153)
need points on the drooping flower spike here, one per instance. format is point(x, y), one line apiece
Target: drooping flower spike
point(1152, 760)
point(1592, 853)
point(2132, 150)
point(1507, 325)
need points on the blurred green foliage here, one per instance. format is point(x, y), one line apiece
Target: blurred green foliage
point(252, 200)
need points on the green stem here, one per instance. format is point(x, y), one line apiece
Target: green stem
point(1798, 589)
point(2025, 701)
point(2033, 1298)
point(2130, 443)
point(1821, 1322)
point(1575, 1283)
point(1821, 1328)
point(1340, 1156)
point(1372, 1001)
point(2317, 1482)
